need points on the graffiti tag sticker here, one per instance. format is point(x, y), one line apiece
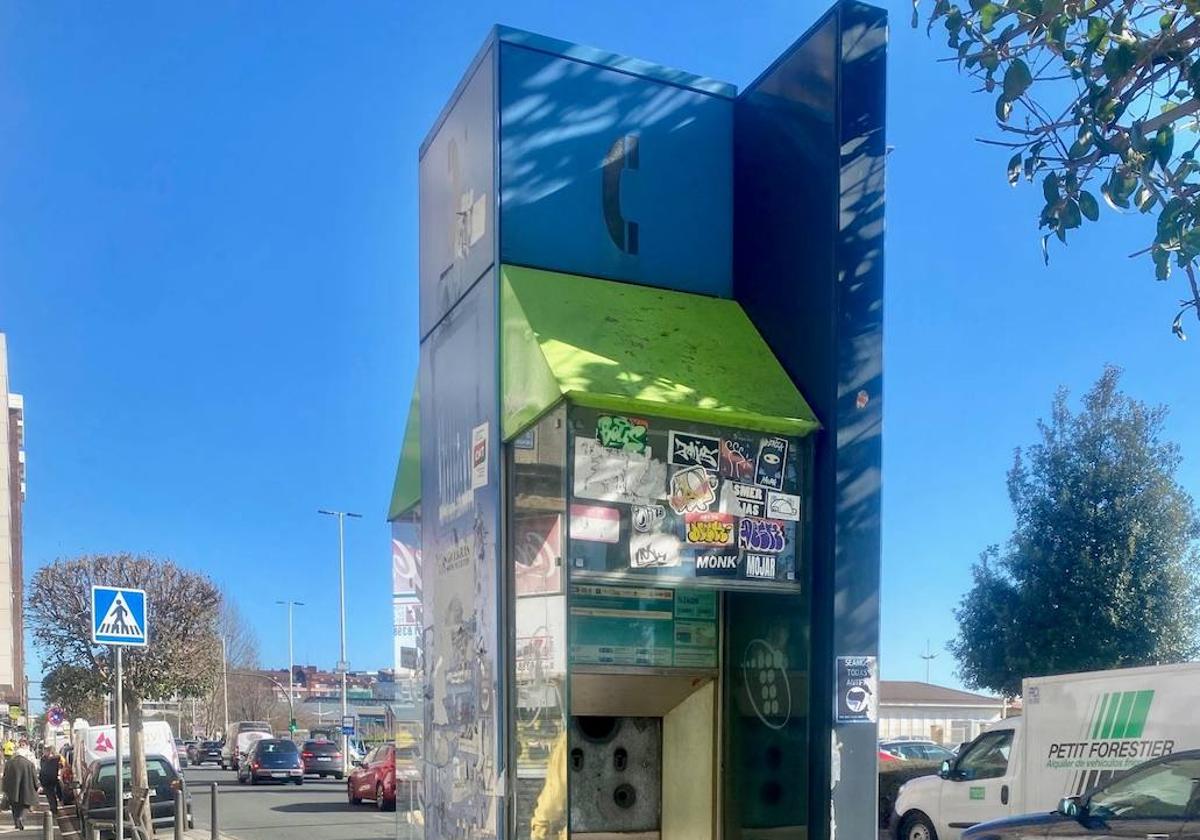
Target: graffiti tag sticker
point(761, 566)
point(783, 506)
point(743, 499)
point(595, 523)
point(647, 518)
point(772, 455)
point(688, 450)
point(653, 551)
point(627, 433)
point(709, 528)
point(767, 536)
point(717, 564)
point(737, 459)
point(692, 490)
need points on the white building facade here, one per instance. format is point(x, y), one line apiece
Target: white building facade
point(12, 501)
point(945, 715)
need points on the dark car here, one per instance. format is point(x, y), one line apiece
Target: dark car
point(97, 797)
point(323, 758)
point(917, 750)
point(1158, 800)
point(272, 760)
point(205, 752)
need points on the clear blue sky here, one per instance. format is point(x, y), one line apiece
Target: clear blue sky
point(207, 274)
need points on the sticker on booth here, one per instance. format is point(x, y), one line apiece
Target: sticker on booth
point(595, 523)
point(762, 535)
point(479, 456)
point(689, 450)
point(654, 551)
point(783, 506)
point(647, 518)
point(772, 457)
point(760, 566)
point(709, 528)
point(717, 564)
point(737, 459)
point(743, 499)
point(616, 475)
point(692, 490)
point(627, 433)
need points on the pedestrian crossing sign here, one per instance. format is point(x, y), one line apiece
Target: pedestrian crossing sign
point(119, 616)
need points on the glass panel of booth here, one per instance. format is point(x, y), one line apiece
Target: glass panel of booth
point(536, 468)
point(658, 569)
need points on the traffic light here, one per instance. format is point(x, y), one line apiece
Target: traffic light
point(292, 726)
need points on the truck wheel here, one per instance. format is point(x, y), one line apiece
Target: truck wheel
point(917, 826)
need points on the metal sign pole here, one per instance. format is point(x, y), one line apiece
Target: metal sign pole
point(118, 741)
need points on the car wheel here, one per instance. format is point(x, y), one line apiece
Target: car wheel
point(337, 776)
point(299, 782)
point(380, 800)
point(354, 800)
point(917, 826)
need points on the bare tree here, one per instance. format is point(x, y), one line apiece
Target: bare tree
point(180, 661)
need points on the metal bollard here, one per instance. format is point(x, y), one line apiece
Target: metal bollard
point(47, 826)
point(215, 833)
point(180, 814)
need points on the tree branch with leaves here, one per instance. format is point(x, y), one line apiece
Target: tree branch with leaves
point(1095, 96)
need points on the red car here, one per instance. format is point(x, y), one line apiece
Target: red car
point(374, 778)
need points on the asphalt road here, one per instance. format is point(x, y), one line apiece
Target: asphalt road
point(316, 810)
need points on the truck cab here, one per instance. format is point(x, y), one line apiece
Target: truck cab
point(980, 784)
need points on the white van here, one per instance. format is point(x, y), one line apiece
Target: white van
point(240, 738)
point(92, 743)
point(1076, 731)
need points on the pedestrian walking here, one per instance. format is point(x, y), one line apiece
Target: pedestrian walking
point(20, 786)
point(48, 778)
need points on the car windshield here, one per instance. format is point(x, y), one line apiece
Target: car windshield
point(158, 773)
point(274, 746)
point(321, 747)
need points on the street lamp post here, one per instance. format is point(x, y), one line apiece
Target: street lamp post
point(291, 658)
point(343, 665)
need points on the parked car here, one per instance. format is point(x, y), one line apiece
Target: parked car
point(97, 797)
point(1158, 799)
point(181, 751)
point(914, 750)
point(374, 778)
point(272, 760)
point(884, 755)
point(323, 758)
point(205, 752)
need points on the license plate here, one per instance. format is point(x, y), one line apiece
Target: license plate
point(279, 775)
point(323, 758)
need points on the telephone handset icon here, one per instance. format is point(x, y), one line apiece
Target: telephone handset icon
point(623, 154)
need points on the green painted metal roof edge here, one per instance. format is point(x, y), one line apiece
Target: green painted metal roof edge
point(541, 361)
point(406, 489)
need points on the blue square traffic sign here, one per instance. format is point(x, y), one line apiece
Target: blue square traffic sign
point(119, 616)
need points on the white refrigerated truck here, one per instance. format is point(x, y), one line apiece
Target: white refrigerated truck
point(1075, 731)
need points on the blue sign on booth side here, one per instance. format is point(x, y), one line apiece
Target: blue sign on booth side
point(119, 616)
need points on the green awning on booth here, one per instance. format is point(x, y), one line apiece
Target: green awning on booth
point(406, 490)
point(637, 350)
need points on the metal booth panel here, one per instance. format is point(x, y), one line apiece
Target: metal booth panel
point(610, 174)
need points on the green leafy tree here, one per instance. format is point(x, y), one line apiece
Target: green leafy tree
point(1100, 571)
point(1094, 99)
point(78, 691)
point(181, 660)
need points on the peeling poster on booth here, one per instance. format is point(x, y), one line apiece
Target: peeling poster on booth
point(617, 475)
